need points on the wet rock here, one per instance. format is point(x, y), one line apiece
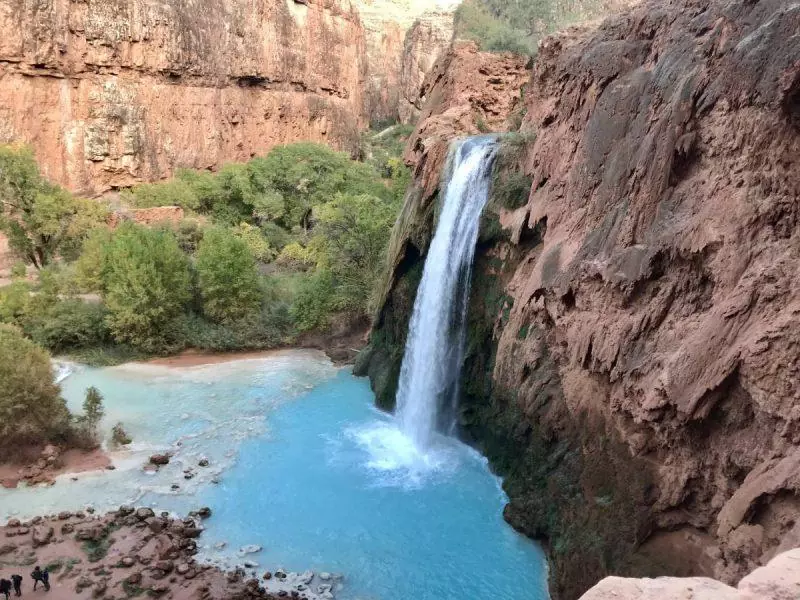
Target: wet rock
point(204, 512)
point(42, 535)
point(306, 577)
point(267, 575)
point(64, 515)
point(250, 549)
point(192, 532)
point(174, 487)
point(203, 462)
point(144, 513)
point(159, 459)
point(250, 564)
point(125, 510)
point(156, 524)
point(13, 523)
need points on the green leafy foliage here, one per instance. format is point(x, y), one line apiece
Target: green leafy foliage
point(517, 25)
point(39, 218)
point(69, 325)
point(31, 408)
point(227, 276)
point(145, 285)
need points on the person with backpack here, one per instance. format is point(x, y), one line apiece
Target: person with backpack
point(16, 581)
point(41, 576)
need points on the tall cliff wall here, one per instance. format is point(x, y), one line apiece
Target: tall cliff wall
point(634, 346)
point(403, 40)
point(117, 91)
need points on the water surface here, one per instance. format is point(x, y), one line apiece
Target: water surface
point(308, 469)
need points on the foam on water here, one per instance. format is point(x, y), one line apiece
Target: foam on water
point(309, 470)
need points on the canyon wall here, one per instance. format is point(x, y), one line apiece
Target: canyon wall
point(633, 352)
point(404, 38)
point(114, 92)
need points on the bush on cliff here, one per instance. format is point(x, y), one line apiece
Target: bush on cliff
point(41, 219)
point(31, 408)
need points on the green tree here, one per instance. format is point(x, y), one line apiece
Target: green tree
point(39, 218)
point(31, 408)
point(306, 175)
point(351, 235)
point(93, 410)
point(227, 276)
point(146, 284)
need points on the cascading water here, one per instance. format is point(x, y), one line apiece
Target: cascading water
point(428, 386)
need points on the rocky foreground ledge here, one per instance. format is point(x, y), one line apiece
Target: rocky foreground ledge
point(134, 552)
point(778, 580)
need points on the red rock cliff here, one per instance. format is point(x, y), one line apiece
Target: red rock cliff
point(634, 341)
point(110, 93)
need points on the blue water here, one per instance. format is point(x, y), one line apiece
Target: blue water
point(308, 469)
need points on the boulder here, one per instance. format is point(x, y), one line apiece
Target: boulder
point(144, 513)
point(42, 535)
point(159, 459)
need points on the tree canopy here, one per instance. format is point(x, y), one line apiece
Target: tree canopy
point(31, 408)
point(41, 219)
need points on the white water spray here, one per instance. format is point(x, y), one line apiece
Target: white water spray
point(428, 387)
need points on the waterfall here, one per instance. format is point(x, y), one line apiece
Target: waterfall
point(428, 388)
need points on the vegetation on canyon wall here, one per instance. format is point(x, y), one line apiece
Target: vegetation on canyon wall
point(287, 243)
point(517, 25)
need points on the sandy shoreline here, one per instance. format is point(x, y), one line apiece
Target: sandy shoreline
point(72, 461)
point(193, 358)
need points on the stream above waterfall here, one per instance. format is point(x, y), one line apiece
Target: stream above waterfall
point(310, 470)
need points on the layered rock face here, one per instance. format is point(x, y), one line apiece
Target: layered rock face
point(404, 38)
point(633, 355)
point(111, 93)
point(429, 38)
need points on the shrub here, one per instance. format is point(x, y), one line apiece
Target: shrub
point(227, 277)
point(31, 408)
point(120, 437)
point(173, 192)
point(511, 189)
point(69, 325)
point(145, 283)
point(256, 242)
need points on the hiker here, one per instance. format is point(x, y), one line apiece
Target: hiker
point(38, 575)
point(16, 580)
point(5, 587)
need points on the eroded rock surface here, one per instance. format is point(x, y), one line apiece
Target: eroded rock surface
point(633, 351)
point(111, 93)
point(780, 579)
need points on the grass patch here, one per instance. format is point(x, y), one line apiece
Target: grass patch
point(132, 590)
point(97, 550)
